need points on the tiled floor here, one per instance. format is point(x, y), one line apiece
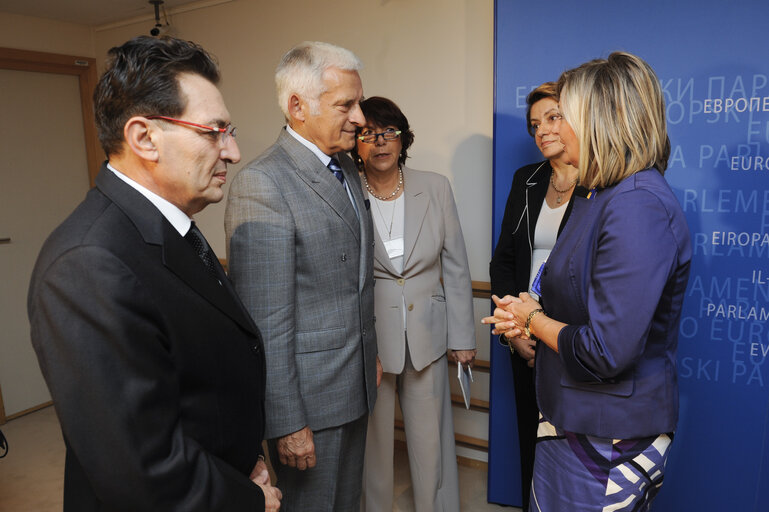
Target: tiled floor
point(31, 475)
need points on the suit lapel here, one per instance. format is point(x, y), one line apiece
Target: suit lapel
point(536, 190)
point(363, 217)
point(178, 256)
point(317, 176)
point(417, 201)
point(380, 253)
point(180, 259)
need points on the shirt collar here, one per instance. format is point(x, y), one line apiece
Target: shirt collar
point(171, 212)
point(323, 157)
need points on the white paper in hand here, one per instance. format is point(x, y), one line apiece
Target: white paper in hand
point(465, 377)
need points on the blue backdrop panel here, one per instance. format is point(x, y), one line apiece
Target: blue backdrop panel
point(712, 58)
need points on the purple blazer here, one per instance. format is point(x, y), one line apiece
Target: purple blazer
point(617, 276)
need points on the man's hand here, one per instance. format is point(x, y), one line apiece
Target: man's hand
point(260, 475)
point(272, 495)
point(297, 450)
point(379, 371)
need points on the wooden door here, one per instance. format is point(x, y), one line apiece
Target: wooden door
point(46, 168)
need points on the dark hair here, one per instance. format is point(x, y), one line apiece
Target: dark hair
point(141, 79)
point(546, 90)
point(382, 112)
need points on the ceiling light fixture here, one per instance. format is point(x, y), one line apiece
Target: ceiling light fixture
point(158, 26)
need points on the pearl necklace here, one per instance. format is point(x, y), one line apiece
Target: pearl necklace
point(395, 192)
point(560, 192)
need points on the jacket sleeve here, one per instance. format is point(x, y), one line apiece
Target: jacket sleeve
point(261, 258)
point(103, 349)
point(634, 256)
point(456, 277)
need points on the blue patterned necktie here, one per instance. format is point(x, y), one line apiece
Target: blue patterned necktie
point(198, 242)
point(334, 167)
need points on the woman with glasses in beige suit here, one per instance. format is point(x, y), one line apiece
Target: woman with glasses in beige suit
point(424, 308)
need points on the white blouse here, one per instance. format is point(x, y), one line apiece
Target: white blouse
point(545, 234)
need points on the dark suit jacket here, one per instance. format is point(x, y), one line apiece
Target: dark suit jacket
point(510, 269)
point(302, 261)
point(617, 276)
point(510, 265)
point(156, 371)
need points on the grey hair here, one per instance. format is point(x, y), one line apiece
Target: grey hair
point(301, 71)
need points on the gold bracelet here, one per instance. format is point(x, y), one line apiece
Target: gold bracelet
point(528, 322)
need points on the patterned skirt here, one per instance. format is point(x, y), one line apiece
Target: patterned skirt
point(576, 472)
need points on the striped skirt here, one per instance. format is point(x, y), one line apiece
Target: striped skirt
point(576, 472)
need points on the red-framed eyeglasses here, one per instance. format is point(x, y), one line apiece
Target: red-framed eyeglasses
point(225, 133)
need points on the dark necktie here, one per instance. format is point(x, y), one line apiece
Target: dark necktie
point(198, 242)
point(334, 167)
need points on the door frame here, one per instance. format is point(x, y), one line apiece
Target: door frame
point(85, 69)
point(82, 67)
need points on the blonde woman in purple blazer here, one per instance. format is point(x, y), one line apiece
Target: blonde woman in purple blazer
point(611, 297)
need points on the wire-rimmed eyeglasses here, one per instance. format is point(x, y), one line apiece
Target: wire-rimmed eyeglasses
point(388, 134)
point(224, 133)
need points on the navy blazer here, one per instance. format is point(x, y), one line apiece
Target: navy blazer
point(617, 276)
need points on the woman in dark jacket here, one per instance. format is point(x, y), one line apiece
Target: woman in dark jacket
point(536, 210)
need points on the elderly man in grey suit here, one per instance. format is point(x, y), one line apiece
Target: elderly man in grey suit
point(300, 242)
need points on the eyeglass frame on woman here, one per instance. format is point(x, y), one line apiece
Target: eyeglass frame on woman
point(394, 134)
point(227, 131)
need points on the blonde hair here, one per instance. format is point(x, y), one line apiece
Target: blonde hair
point(301, 71)
point(616, 109)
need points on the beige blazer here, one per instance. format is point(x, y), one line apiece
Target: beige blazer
point(439, 316)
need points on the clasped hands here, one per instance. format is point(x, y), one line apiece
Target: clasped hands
point(509, 319)
point(296, 450)
point(272, 495)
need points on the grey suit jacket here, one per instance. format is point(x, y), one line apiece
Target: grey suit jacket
point(438, 315)
point(301, 260)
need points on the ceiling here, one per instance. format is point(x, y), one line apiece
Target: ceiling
point(87, 12)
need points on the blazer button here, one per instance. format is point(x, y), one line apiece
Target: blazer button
point(364, 332)
point(411, 307)
point(373, 243)
point(401, 281)
point(344, 257)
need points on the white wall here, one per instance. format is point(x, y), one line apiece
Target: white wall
point(36, 34)
point(432, 57)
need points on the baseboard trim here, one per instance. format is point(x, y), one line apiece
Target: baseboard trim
point(472, 463)
point(28, 411)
